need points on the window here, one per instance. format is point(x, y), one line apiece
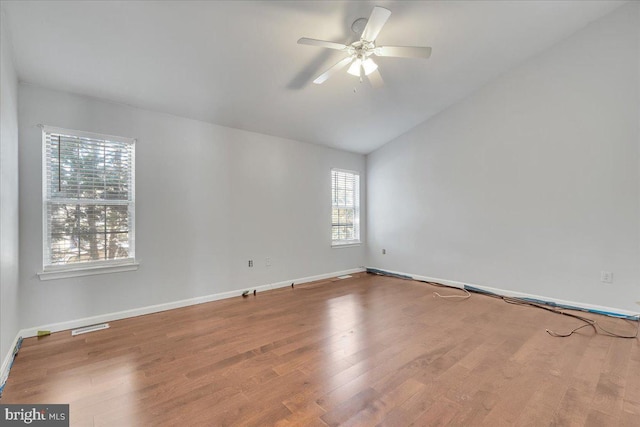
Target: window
point(89, 202)
point(345, 212)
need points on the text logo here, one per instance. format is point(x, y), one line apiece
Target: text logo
point(34, 415)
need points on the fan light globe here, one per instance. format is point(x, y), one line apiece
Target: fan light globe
point(354, 69)
point(369, 66)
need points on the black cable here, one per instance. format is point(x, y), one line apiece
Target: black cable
point(598, 329)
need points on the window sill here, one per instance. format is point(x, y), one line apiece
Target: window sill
point(87, 271)
point(345, 245)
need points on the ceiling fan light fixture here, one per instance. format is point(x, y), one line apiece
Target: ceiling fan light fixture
point(358, 53)
point(369, 66)
point(354, 69)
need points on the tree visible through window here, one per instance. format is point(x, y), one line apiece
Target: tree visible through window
point(89, 198)
point(345, 214)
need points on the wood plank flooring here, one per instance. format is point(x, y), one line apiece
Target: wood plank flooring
point(364, 351)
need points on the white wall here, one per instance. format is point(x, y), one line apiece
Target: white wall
point(9, 325)
point(638, 88)
point(208, 199)
point(531, 184)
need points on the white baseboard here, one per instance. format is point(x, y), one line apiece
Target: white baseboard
point(6, 362)
point(312, 278)
point(507, 293)
point(109, 317)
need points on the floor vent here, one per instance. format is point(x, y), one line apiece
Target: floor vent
point(91, 328)
point(346, 276)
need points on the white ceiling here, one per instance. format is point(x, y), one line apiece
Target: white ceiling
point(237, 64)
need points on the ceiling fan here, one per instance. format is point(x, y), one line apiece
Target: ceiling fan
point(360, 51)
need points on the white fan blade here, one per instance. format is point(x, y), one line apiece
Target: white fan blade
point(375, 79)
point(340, 65)
point(403, 51)
point(322, 43)
point(378, 18)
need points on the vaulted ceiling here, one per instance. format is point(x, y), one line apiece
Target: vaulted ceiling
point(237, 64)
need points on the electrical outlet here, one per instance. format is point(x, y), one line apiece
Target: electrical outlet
point(384, 252)
point(250, 263)
point(267, 262)
point(606, 277)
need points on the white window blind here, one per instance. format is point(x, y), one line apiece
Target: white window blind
point(89, 199)
point(345, 213)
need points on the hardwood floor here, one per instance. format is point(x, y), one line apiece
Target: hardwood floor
point(364, 351)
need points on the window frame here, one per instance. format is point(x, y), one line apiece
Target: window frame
point(84, 268)
point(356, 207)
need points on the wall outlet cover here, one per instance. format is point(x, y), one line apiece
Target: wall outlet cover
point(606, 277)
